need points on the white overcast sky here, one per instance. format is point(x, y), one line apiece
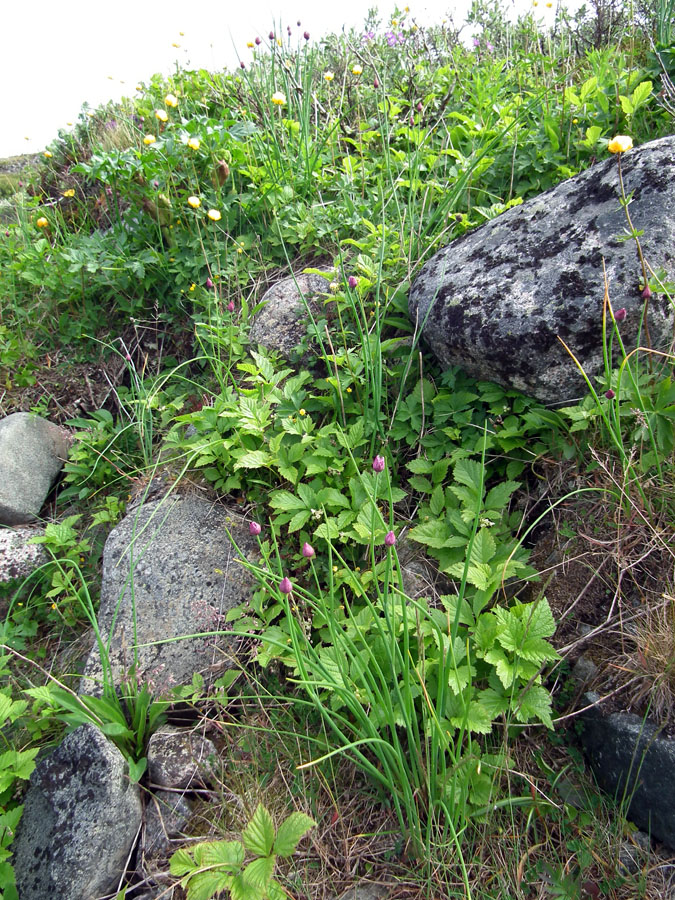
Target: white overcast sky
point(56, 54)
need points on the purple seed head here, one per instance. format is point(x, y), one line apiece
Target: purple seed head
point(610, 394)
point(306, 35)
point(209, 283)
point(646, 294)
point(307, 550)
point(285, 585)
point(620, 314)
point(254, 528)
point(352, 281)
point(258, 42)
point(242, 64)
point(378, 464)
point(230, 306)
point(389, 539)
point(271, 35)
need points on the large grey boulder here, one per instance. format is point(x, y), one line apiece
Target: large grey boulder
point(80, 819)
point(32, 453)
point(170, 575)
point(495, 300)
point(281, 322)
point(634, 763)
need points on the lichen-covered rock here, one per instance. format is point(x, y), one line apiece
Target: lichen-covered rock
point(170, 571)
point(496, 299)
point(32, 453)
point(281, 323)
point(634, 764)
point(80, 819)
point(179, 758)
point(18, 557)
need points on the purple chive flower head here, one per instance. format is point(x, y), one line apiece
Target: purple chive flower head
point(389, 539)
point(285, 585)
point(378, 464)
point(646, 294)
point(7, 232)
point(352, 281)
point(242, 64)
point(258, 42)
point(230, 306)
point(419, 106)
point(490, 47)
point(155, 183)
point(306, 35)
point(254, 528)
point(620, 314)
point(209, 283)
point(610, 394)
point(376, 84)
point(476, 42)
point(271, 35)
point(307, 550)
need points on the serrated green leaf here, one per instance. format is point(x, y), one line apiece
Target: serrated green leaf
point(641, 93)
point(420, 466)
point(298, 520)
point(476, 719)
point(286, 501)
point(242, 890)
point(290, 833)
point(483, 548)
point(468, 472)
point(181, 863)
point(534, 702)
point(258, 836)
point(253, 459)
point(205, 885)
point(433, 534)
point(330, 497)
point(437, 501)
point(258, 872)
point(421, 483)
point(498, 497)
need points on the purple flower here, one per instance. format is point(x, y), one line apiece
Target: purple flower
point(285, 585)
point(389, 539)
point(646, 294)
point(258, 42)
point(412, 121)
point(7, 232)
point(307, 550)
point(378, 464)
point(242, 64)
point(230, 306)
point(155, 183)
point(391, 38)
point(620, 314)
point(489, 47)
point(610, 394)
point(271, 35)
point(376, 84)
point(254, 528)
point(306, 35)
point(476, 42)
point(368, 36)
point(352, 281)
point(419, 106)
point(209, 283)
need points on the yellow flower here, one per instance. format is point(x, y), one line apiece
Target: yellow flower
point(575, 121)
point(174, 44)
point(42, 222)
point(250, 44)
point(171, 100)
point(279, 42)
point(69, 193)
point(620, 144)
point(149, 139)
point(279, 99)
point(329, 76)
point(214, 215)
point(549, 5)
point(193, 286)
point(357, 70)
point(302, 412)
point(161, 115)
point(47, 154)
point(194, 202)
point(193, 143)
point(138, 87)
point(69, 123)
point(181, 33)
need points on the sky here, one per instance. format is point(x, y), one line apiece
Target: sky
point(54, 56)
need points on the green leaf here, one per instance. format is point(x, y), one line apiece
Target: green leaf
point(137, 769)
point(437, 501)
point(331, 497)
point(286, 501)
point(181, 863)
point(258, 836)
point(534, 702)
point(229, 854)
point(205, 885)
point(483, 547)
point(291, 831)
point(468, 472)
point(259, 872)
point(242, 890)
point(641, 94)
point(253, 459)
point(420, 466)
point(298, 520)
point(433, 534)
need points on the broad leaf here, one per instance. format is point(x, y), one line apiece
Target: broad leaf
point(258, 836)
point(291, 831)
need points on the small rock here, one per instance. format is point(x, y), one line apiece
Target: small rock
point(80, 819)
point(32, 453)
point(166, 815)
point(178, 758)
point(281, 323)
point(584, 670)
point(18, 557)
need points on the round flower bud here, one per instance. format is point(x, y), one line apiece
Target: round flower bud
point(254, 528)
point(307, 550)
point(620, 314)
point(285, 585)
point(389, 539)
point(378, 464)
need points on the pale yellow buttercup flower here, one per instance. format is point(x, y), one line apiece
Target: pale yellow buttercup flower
point(149, 139)
point(42, 222)
point(69, 193)
point(174, 44)
point(357, 70)
point(161, 114)
point(171, 100)
point(279, 99)
point(194, 143)
point(214, 215)
point(47, 154)
point(194, 202)
point(329, 76)
point(250, 45)
point(620, 144)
